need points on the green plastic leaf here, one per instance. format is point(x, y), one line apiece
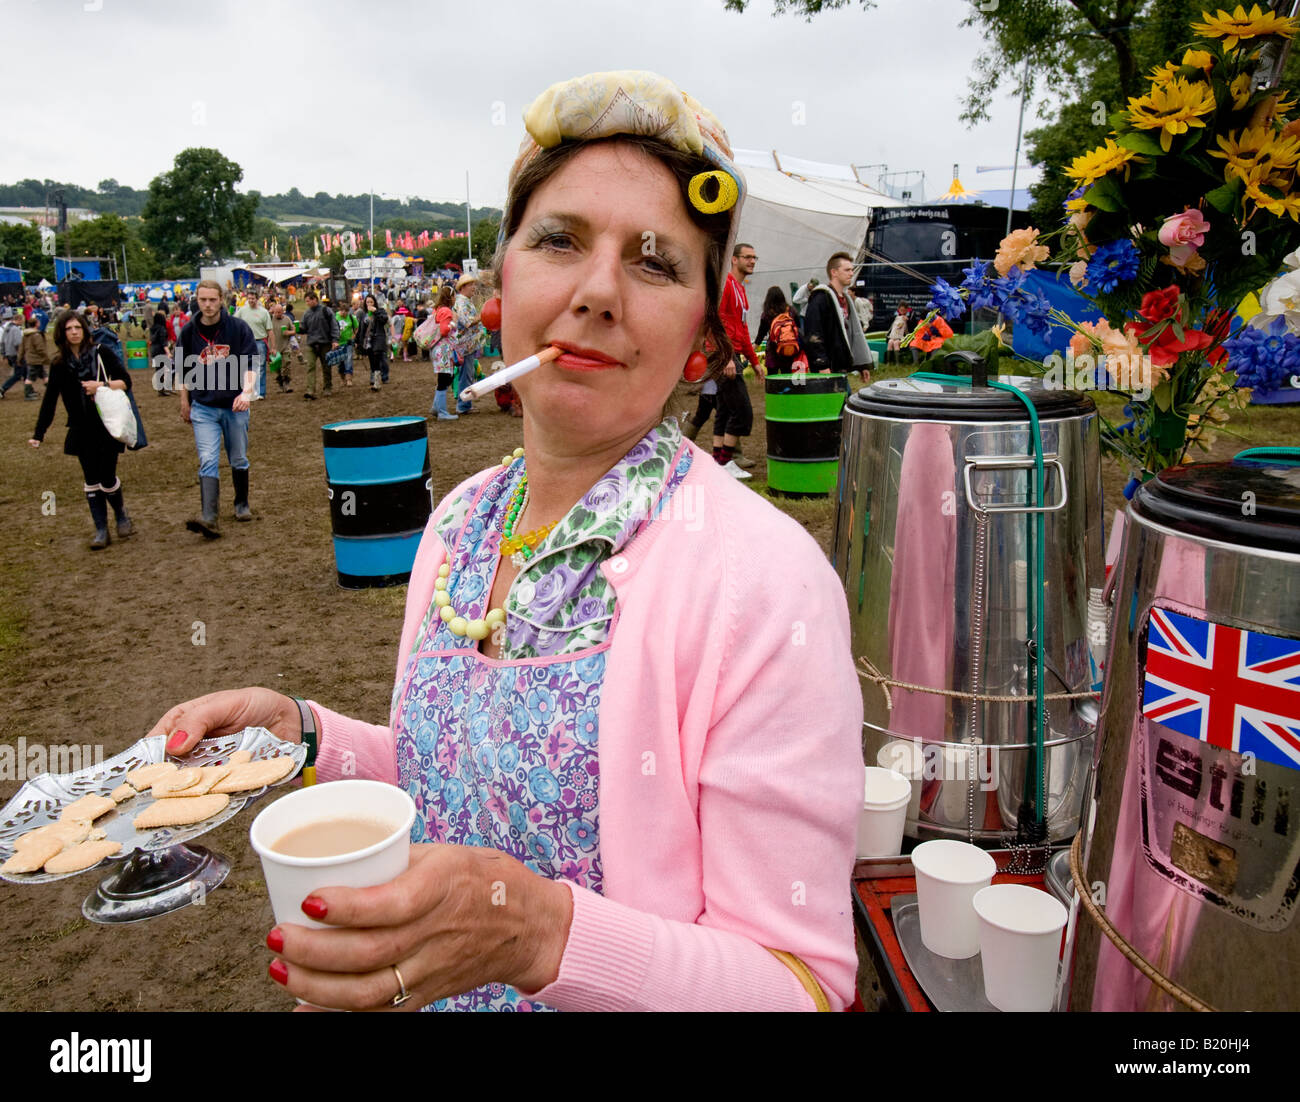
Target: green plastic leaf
point(1162, 397)
point(1225, 198)
point(1140, 142)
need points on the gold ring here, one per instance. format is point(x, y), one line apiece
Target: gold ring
point(713, 192)
point(403, 995)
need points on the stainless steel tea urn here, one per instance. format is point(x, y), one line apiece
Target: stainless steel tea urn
point(933, 535)
point(1191, 868)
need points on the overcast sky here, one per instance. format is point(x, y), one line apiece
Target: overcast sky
point(405, 98)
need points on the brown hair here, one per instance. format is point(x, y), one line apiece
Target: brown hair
point(835, 259)
point(61, 335)
point(683, 166)
point(446, 297)
point(212, 284)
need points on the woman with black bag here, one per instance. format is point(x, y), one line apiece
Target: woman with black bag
point(77, 372)
point(372, 339)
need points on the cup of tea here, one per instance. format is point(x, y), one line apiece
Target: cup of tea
point(344, 834)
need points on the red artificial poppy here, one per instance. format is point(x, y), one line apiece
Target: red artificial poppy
point(1218, 323)
point(1166, 348)
point(1158, 305)
point(932, 335)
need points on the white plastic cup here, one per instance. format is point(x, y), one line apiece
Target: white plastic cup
point(948, 874)
point(906, 757)
point(884, 813)
point(290, 880)
point(1020, 945)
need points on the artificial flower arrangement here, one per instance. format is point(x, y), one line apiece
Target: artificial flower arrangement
point(1188, 207)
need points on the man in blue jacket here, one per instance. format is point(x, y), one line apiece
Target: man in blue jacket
point(220, 372)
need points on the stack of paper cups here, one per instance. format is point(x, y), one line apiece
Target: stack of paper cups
point(884, 813)
point(906, 757)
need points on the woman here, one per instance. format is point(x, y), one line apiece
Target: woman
point(79, 369)
point(441, 352)
point(780, 331)
point(159, 341)
point(894, 339)
point(467, 338)
point(627, 759)
point(372, 339)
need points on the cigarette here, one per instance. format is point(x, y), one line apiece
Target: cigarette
point(510, 374)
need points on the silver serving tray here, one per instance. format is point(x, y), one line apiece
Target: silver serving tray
point(952, 985)
point(40, 801)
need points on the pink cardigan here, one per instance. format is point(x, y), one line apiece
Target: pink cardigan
point(731, 771)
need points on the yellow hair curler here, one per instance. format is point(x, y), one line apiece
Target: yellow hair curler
point(713, 192)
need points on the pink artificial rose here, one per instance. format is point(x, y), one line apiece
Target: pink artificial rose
point(1185, 232)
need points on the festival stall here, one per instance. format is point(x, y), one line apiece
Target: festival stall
point(1085, 760)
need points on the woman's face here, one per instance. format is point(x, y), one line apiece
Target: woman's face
point(73, 333)
point(607, 264)
point(371, 304)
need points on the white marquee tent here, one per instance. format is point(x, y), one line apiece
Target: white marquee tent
point(798, 213)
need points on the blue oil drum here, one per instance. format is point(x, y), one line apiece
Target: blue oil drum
point(381, 497)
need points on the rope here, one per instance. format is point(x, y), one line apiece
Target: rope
point(1084, 896)
point(886, 683)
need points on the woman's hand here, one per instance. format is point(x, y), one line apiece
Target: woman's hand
point(226, 712)
point(91, 385)
point(458, 918)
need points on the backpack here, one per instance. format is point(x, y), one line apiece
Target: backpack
point(104, 337)
point(784, 334)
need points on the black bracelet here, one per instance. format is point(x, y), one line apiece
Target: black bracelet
point(309, 733)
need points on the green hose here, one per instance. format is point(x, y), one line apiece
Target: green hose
point(1283, 457)
point(1036, 577)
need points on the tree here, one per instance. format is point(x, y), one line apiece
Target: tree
point(194, 209)
point(20, 247)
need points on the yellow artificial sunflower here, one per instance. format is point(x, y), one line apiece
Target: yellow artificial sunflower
point(1162, 73)
point(1278, 206)
point(1198, 59)
point(1239, 26)
point(1171, 108)
point(1258, 153)
point(1282, 106)
point(1092, 166)
point(1240, 89)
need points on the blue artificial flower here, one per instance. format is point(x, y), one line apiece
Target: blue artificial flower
point(1264, 358)
point(1113, 264)
point(975, 275)
point(947, 300)
point(1035, 311)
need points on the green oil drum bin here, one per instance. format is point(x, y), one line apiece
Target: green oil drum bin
point(803, 433)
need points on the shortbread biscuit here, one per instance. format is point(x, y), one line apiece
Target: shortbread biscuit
point(68, 831)
point(173, 783)
point(256, 774)
point(82, 856)
point(143, 777)
point(89, 808)
point(123, 792)
point(33, 856)
point(208, 776)
point(240, 756)
point(97, 835)
point(181, 812)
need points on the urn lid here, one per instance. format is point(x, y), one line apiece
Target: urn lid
point(1253, 502)
point(911, 399)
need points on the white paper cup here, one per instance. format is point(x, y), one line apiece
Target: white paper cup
point(948, 874)
point(884, 813)
point(906, 757)
point(290, 880)
point(1020, 945)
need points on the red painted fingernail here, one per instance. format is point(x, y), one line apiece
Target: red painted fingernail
point(275, 940)
point(314, 907)
point(279, 972)
point(179, 739)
